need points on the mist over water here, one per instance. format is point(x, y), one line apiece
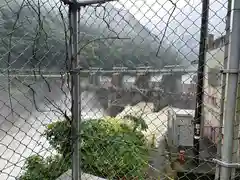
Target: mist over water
point(91, 108)
point(21, 129)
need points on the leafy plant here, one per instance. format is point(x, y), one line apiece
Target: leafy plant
point(138, 122)
point(109, 148)
point(38, 168)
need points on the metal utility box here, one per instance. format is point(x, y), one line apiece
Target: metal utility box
point(180, 127)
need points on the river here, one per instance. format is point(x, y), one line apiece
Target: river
point(21, 129)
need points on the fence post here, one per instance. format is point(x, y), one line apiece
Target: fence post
point(75, 84)
point(231, 91)
point(200, 81)
point(226, 50)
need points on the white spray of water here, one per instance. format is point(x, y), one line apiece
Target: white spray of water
point(21, 137)
point(91, 108)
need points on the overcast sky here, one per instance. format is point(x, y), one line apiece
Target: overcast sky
point(184, 26)
point(186, 19)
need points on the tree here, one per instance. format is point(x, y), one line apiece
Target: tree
point(38, 41)
point(110, 148)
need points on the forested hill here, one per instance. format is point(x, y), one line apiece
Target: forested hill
point(34, 37)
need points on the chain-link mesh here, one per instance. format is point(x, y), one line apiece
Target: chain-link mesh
point(143, 95)
point(33, 89)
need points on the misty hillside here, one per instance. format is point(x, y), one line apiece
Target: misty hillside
point(34, 37)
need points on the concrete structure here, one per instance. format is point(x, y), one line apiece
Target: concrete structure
point(188, 83)
point(213, 87)
point(168, 129)
point(180, 127)
point(121, 89)
point(144, 78)
point(180, 137)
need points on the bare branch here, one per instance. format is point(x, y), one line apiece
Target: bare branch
point(39, 29)
point(33, 92)
point(66, 45)
point(167, 24)
point(65, 36)
point(60, 111)
point(105, 14)
point(9, 53)
point(99, 39)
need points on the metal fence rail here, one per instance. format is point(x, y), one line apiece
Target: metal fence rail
point(123, 89)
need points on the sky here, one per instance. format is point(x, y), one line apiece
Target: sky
point(183, 29)
point(185, 21)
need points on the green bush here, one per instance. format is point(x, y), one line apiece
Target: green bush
point(38, 168)
point(109, 148)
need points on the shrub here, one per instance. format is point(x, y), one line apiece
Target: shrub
point(109, 148)
point(38, 168)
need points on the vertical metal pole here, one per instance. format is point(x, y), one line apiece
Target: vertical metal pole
point(226, 47)
point(231, 90)
point(200, 81)
point(76, 106)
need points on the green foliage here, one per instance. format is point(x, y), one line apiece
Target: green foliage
point(58, 134)
point(138, 122)
point(125, 149)
point(110, 148)
point(38, 168)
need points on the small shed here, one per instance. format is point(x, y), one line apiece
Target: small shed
point(180, 127)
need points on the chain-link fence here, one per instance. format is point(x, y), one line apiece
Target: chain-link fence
point(122, 89)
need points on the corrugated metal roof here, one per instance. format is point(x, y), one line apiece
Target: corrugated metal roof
point(183, 112)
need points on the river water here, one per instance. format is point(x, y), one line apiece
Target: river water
point(21, 129)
